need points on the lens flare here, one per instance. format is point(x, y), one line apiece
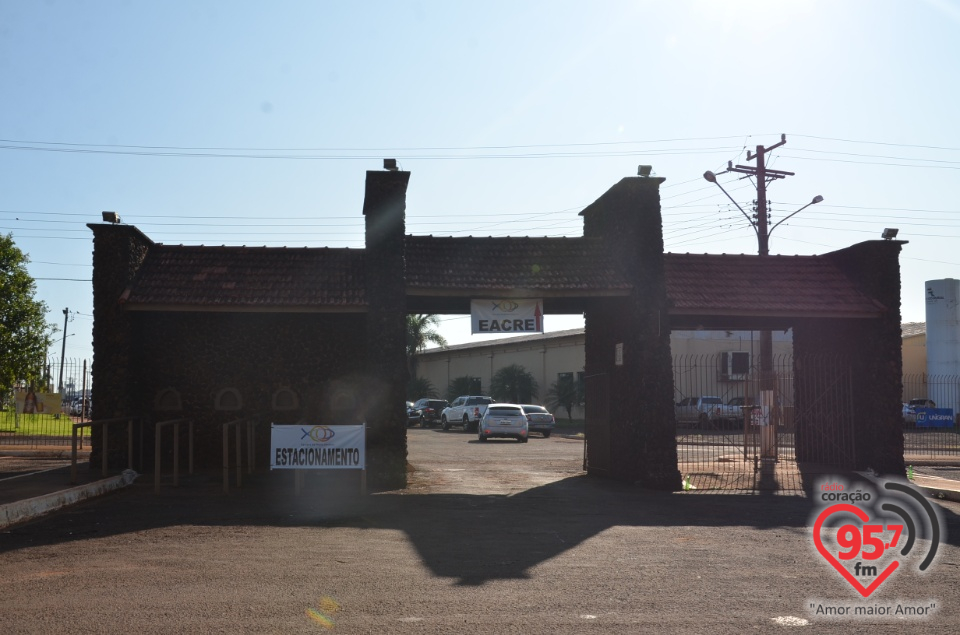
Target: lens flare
point(328, 606)
point(320, 618)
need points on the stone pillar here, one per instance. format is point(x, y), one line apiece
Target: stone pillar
point(118, 252)
point(384, 206)
point(641, 440)
point(876, 348)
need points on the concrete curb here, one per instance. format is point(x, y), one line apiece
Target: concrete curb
point(939, 488)
point(941, 494)
point(21, 511)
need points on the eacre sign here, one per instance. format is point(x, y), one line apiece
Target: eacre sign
point(506, 316)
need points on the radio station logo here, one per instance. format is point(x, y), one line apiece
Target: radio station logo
point(867, 535)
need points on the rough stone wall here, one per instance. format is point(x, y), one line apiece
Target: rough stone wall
point(873, 347)
point(118, 252)
point(642, 439)
point(383, 209)
point(320, 357)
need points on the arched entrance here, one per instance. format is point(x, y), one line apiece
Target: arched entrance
point(339, 314)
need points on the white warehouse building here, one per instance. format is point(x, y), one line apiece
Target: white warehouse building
point(549, 356)
point(943, 342)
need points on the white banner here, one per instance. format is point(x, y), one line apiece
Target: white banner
point(306, 447)
point(506, 316)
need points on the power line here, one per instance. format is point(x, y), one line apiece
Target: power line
point(389, 149)
point(898, 165)
point(878, 143)
point(343, 157)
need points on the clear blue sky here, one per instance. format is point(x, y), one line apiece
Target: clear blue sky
point(254, 123)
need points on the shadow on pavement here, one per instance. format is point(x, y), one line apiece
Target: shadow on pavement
point(471, 538)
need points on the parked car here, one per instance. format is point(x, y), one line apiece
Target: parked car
point(503, 420)
point(466, 411)
point(539, 419)
point(412, 415)
point(76, 407)
point(706, 412)
point(910, 409)
point(429, 410)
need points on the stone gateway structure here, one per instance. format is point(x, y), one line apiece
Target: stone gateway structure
point(317, 335)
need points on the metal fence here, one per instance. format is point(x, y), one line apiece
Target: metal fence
point(733, 435)
point(725, 442)
point(930, 440)
point(42, 414)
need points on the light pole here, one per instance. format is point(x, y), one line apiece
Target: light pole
point(63, 350)
point(763, 232)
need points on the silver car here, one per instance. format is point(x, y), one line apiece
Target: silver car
point(539, 419)
point(503, 420)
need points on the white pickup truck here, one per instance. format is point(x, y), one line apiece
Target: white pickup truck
point(706, 413)
point(466, 411)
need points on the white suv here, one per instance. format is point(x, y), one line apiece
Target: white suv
point(466, 411)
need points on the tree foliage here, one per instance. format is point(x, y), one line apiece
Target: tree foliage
point(564, 393)
point(24, 333)
point(421, 330)
point(463, 385)
point(514, 384)
point(420, 387)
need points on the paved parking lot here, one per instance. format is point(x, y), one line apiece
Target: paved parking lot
point(500, 537)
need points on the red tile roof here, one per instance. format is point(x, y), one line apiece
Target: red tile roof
point(797, 286)
point(254, 278)
point(310, 279)
point(541, 265)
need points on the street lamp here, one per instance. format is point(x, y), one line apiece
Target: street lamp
point(816, 199)
point(710, 176)
point(765, 235)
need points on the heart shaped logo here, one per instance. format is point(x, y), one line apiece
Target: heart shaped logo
point(854, 542)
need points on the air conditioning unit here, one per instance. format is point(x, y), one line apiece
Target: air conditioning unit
point(734, 366)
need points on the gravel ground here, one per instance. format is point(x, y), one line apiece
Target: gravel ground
point(500, 537)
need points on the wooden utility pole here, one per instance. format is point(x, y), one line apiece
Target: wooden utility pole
point(763, 174)
point(63, 349)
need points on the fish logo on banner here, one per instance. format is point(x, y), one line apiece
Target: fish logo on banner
point(506, 316)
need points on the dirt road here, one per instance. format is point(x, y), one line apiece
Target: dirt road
point(499, 537)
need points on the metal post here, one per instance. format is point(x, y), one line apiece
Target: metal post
point(176, 454)
point(190, 445)
point(103, 450)
point(83, 394)
point(156, 459)
point(73, 457)
point(226, 459)
point(63, 350)
point(239, 462)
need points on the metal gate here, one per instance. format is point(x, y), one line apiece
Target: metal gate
point(732, 434)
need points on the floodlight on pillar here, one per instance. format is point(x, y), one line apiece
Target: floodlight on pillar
point(111, 217)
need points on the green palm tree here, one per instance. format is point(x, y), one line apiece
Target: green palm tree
point(514, 384)
point(420, 387)
point(564, 393)
point(463, 385)
point(421, 330)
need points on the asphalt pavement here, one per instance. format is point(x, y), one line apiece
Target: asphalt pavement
point(488, 538)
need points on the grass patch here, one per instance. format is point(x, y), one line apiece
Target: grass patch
point(40, 425)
